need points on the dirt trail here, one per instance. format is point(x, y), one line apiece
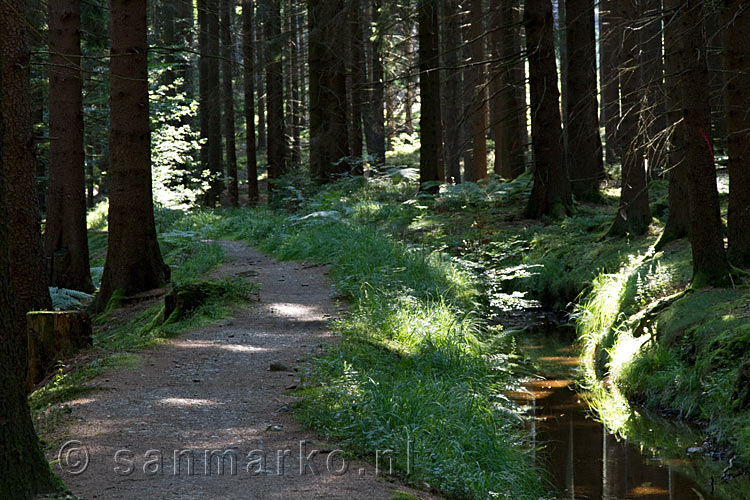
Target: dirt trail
point(211, 389)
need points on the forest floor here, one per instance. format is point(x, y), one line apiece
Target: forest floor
point(216, 391)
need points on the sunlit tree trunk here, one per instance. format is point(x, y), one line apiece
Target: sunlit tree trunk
point(213, 101)
point(277, 143)
point(478, 111)
point(134, 263)
point(610, 35)
point(451, 92)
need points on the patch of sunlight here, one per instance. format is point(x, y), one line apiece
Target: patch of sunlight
point(294, 310)
point(186, 402)
point(624, 352)
point(646, 490)
point(240, 348)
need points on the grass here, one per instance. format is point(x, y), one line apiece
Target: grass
point(413, 371)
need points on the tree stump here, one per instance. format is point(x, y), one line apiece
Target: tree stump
point(52, 336)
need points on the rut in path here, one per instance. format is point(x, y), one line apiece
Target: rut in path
point(211, 389)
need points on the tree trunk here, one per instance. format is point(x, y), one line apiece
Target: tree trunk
point(249, 82)
point(634, 214)
point(431, 130)
point(452, 96)
point(375, 126)
point(467, 94)
point(736, 22)
point(134, 263)
point(709, 258)
point(66, 244)
point(550, 194)
point(213, 99)
point(357, 72)
point(185, 38)
point(478, 116)
point(227, 69)
point(329, 139)
point(277, 147)
point(610, 35)
point(295, 95)
point(26, 473)
point(652, 78)
point(260, 82)
point(504, 107)
point(203, 61)
point(585, 165)
point(390, 116)
point(19, 163)
point(678, 221)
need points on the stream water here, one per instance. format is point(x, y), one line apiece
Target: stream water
point(586, 461)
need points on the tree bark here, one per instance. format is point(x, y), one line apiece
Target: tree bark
point(550, 194)
point(277, 144)
point(505, 109)
point(203, 61)
point(19, 164)
point(26, 472)
point(249, 83)
point(451, 92)
point(260, 82)
point(227, 69)
point(213, 100)
point(357, 72)
point(634, 213)
point(295, 84)
point(585, 165)
point(610, 35)
point(478, 79)
point(652, 78)
point(329, 139)
point(134, 263)
point(375, 125)
point(736, 22)
point(678, 221)
point(710, 263)
point(66, 243)
point(431, 130)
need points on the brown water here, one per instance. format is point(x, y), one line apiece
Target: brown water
point(587, 462)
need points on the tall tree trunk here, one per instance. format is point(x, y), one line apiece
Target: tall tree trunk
point(431, 130)
point(134, 263)
point(277, 145)
point(260, 82)
point(357, 72)
point(678, 221)
point(550, 194)
point(66, 243)
point(736, 21)
point(185, 38)
point(329, 139)
point(19, 165)
point(203, 62)
point(520, 77)
point(610, 35)
point(562, 44)
point(295, 95)
point(249, 82)
point(714, 57)
point(478, 79)
point(26, 473)
point(709, 258)
point(227, 69)
point(585, 165)
point(375, 126)
point(652, 78)
point(467, 94)
point(216, 172)
point(634, 214)
point(504, 107)
point(452, 95)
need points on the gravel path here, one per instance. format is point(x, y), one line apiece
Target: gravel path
point(211, 393)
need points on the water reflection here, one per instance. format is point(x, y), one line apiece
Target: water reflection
point(585, 461)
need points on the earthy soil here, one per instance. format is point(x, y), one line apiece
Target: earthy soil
point(221, 389)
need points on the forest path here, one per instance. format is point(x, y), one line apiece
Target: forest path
point(212, 389)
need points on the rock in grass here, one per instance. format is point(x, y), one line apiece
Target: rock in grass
point(278, 366)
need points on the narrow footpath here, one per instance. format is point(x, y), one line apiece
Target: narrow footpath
point(207, 415)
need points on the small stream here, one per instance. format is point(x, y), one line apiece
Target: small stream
point(585, 461)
